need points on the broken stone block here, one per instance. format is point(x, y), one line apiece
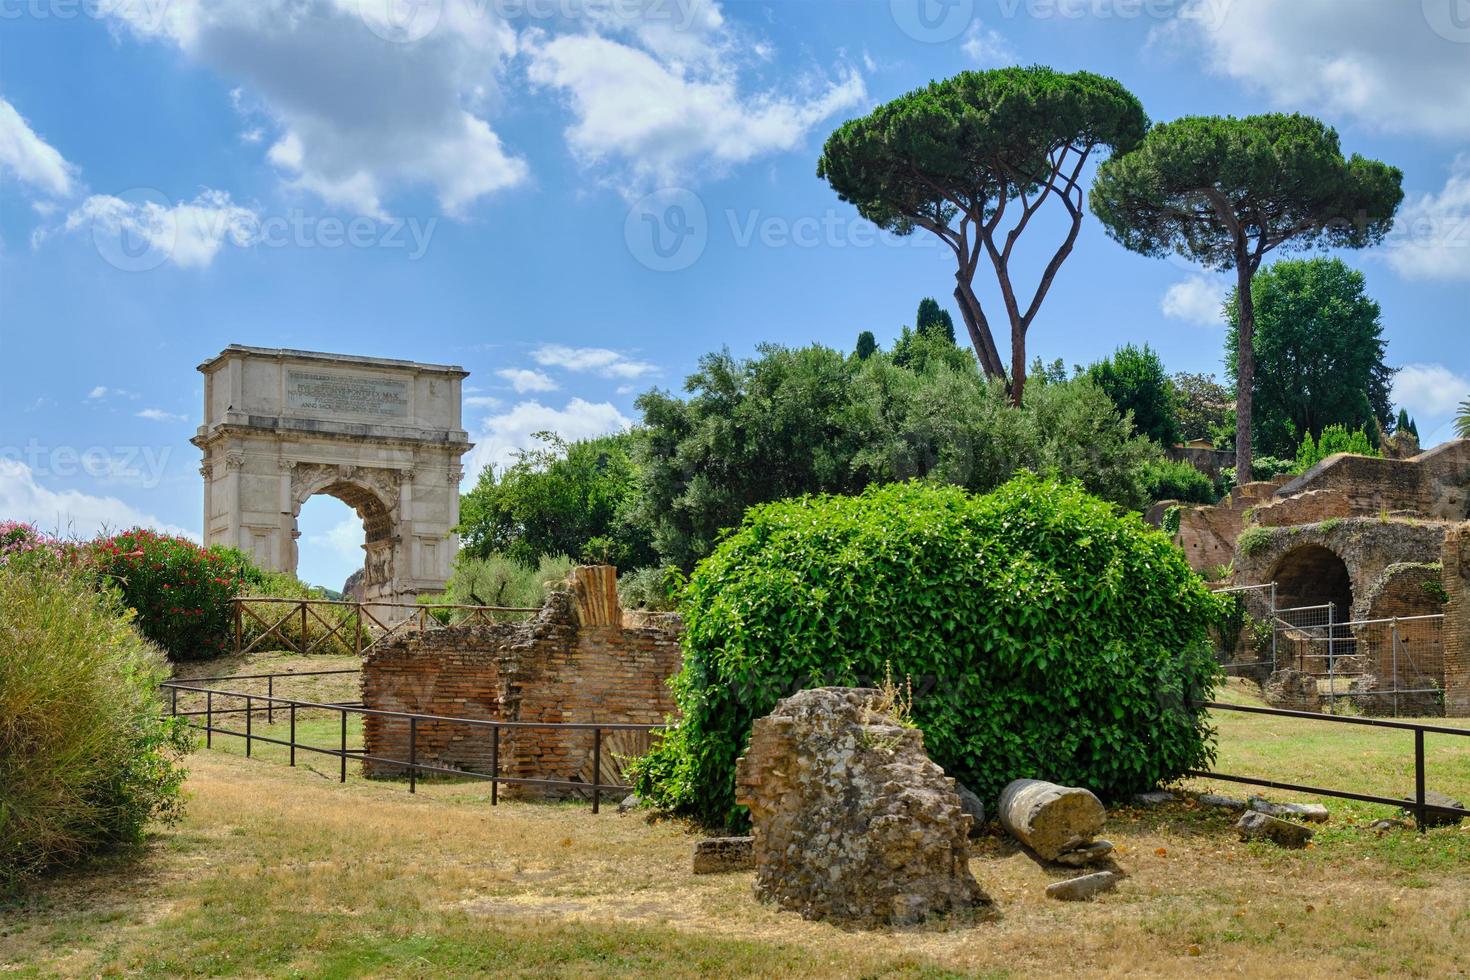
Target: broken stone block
point(719, 854)
point(1223, 802)
point(1256, 825)
point(1085, 887)
point(1087, 854)
point(973, 807)
point(1156, 797)
point(1050, 819)
point(852, 821)
point(1310, 812)
point(1438, 819)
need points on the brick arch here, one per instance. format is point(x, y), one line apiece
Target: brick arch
point(1310, 575)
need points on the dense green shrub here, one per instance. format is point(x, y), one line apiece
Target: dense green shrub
point(86, 759)
point(1171, 480)
point(499, 581)
point(1136, 382)
point(790, 422)
point(561, 499)
point(182, 592)
point(1045, 635)
point(1335, 439)
point(653, 588)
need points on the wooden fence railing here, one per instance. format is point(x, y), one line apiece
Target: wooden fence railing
point(307, 625)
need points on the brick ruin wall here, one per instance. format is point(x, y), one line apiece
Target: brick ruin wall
point(1434, 485)
point(1456, 571)
point(575, 662)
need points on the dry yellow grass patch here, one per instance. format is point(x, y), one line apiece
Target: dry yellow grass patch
point(282, 872)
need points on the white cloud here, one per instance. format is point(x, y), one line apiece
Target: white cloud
point(31, 159)
point(1383, 63)
point(159, 415)
point(69, 512)
point(356, 116)
point(344, 538)
point(188, 234)
point(607, 363)
point(1430, 391)
point(500, 436)
point(985, 46)
point(98, 392)
point(1197, 299)
point(483, 401)
point(670, 103)
point(524, 380)
point(1431, 235)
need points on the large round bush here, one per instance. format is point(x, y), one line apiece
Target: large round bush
point(1045, 634)
point(182, 592)
point(86, 758)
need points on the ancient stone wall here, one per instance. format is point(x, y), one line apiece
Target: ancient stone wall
point(1455, 559)
point(575, 662)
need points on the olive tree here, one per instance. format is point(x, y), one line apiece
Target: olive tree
point(1224, 192)
point(972, 159)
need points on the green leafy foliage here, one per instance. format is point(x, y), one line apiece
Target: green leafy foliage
point(1171, 480)
point(791, 422)
point(934, 319)
point(182, 592)
point(1201, 405)
point(86, 757)
point(1319, 352)
point(954, 157)
point(1253, 540)
point(867, 346)
point(1335, 439)
point(1462, 420)
point(656, 589)
point(502, 581)
point(562, 499)
point(1134, 379)
point(1225, 191)
point(1045, 635)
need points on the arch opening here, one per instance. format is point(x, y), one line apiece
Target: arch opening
point(1314, 576)
point(360, 536)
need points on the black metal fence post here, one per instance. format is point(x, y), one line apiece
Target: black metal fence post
point(495, 766)
point(293, 733)
point(342, 778)
point(209, 719)
point(249, 714)
point(173, 709)
point(270, 705)
point(413, 754)
point(1419, 779)
point(596, 769)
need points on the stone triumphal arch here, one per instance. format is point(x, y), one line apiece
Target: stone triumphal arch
point(383, 436)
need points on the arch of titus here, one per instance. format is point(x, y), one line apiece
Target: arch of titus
point(383, 436)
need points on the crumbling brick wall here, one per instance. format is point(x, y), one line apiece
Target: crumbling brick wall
point(575, 662)
point(1455, 560)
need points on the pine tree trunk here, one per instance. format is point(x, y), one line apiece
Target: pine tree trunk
point(979, 330)
point(1245, 372)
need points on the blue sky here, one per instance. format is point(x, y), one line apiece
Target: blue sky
point(479, 182)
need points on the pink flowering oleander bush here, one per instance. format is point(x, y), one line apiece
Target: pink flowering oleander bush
point(180, 590)
point(21, 542)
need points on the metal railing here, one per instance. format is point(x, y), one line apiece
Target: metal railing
point(1417, 803)
point(253, 705)
point(359, 626)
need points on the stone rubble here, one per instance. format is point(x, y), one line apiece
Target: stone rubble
point(1085, 887)
point(720, 854)
point(1310, 812)
point(852, 821)
point(1256, 825)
